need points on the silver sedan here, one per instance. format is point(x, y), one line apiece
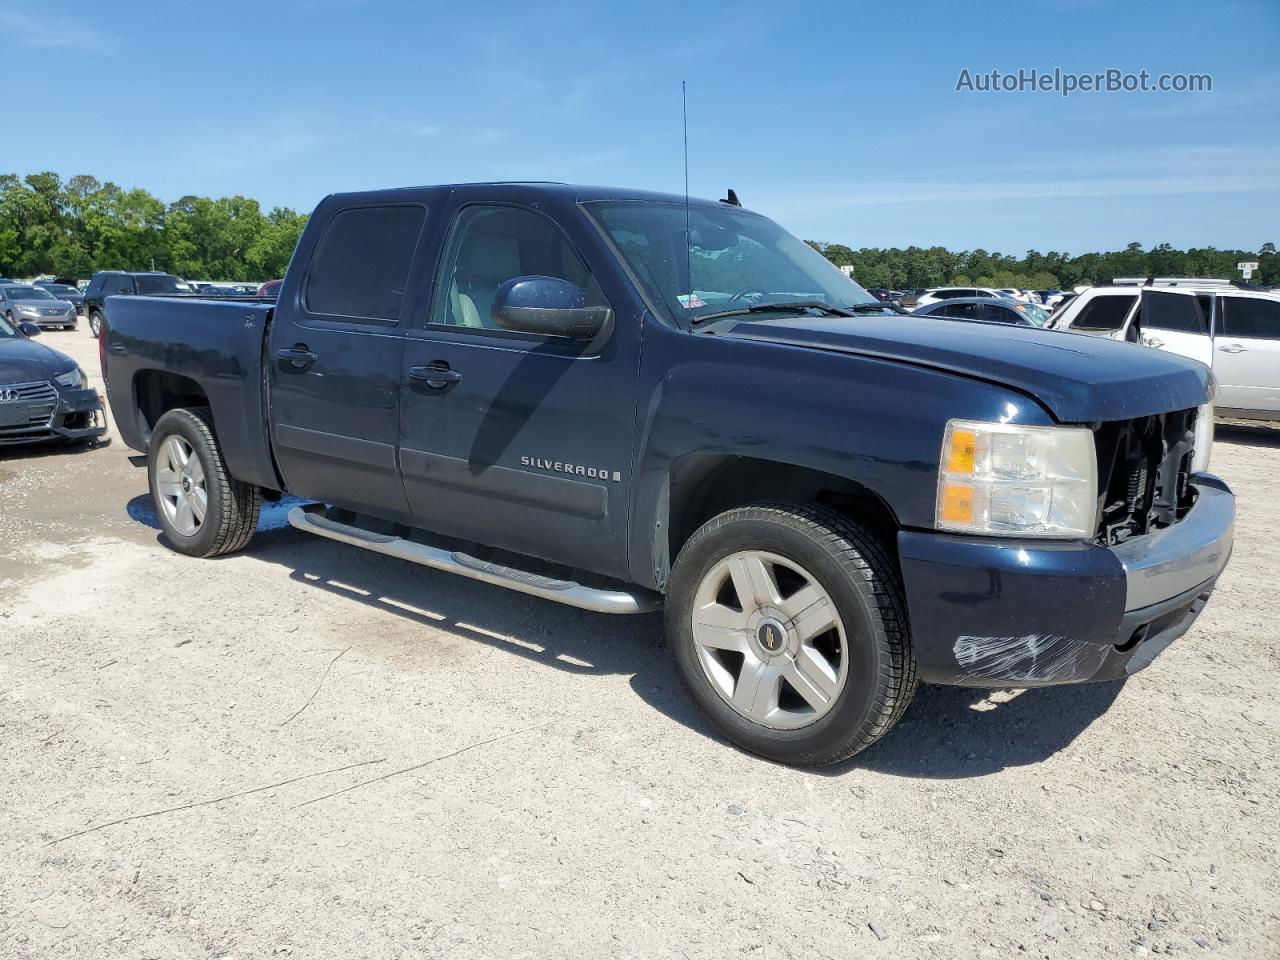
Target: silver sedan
point(20, 303)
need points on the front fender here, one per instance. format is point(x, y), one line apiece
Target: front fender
point(874, 422)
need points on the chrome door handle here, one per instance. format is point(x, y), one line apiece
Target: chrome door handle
point(1153, 341)
point(1233, 348)
point(297, 356)
point(436, 375)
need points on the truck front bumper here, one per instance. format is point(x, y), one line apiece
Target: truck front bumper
point(988, 612)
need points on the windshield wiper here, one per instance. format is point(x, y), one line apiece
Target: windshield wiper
point(781, 306)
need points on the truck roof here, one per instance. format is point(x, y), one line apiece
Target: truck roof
point(566, 191)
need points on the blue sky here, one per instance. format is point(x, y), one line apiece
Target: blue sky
point(841, 119)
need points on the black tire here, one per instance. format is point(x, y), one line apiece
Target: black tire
point(95, 323)
point(231, 516)
point(865, 587)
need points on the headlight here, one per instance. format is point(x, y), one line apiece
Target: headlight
point(73, 378)
point(1203, 439)
point(28, 311)
point(1001, 479)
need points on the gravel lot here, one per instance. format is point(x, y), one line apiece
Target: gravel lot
point(309, 750)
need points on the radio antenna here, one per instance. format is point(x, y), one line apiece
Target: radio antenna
point(688, 242)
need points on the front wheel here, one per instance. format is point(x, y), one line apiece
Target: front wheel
point(95, 323)
point(788, 627)
point(203, 510)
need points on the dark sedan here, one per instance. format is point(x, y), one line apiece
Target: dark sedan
point(987, 310)
point(44, 396)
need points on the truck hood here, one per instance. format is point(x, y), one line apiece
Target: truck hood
point(1076, 377)
point(23, 361)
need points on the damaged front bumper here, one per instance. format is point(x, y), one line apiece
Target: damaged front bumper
point(986, 612)
point(75, 415)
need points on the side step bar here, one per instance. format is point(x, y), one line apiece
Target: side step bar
point(313, 520)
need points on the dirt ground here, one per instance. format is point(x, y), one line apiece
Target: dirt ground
point(307, 750)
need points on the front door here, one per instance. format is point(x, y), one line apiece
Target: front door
point(335, 354)
point(514, 440)
point(1246, 356)
point(1174, 320)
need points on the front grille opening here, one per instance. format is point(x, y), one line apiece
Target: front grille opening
point(1144, 473)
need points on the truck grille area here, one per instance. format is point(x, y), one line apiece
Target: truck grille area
point(1144, 474)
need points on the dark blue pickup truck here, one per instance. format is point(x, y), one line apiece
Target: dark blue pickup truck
point(621, 400)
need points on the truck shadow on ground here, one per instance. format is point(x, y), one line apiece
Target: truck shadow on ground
point(947, 733)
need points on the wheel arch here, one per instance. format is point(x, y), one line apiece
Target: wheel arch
point(702, 485)
point(156, 392)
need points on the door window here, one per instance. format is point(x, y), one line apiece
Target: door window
point(1104, 313)
point(490, 245)
point(999, 313)
point(1175, 312)
point(361, 263)
point(1246, 317)
point(961, 311)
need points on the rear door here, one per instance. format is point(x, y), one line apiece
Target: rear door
point(334, 362)
point(1246, 356)
point(1174, 320)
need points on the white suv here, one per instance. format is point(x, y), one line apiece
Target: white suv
point(1233, 330)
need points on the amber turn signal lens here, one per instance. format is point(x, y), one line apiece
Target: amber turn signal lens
point(960, 456)
point(957, 503)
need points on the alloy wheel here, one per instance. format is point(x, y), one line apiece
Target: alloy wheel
point(180, 486)
point(770, 640)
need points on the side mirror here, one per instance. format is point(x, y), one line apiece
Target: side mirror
point(548, 306)
point(28, 329)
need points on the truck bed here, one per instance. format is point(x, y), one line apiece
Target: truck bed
point(207, 346)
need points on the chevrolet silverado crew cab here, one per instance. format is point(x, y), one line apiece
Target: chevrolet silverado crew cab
point(620, 401)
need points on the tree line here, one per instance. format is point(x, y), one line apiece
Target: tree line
point(75, 227)
point(72, 229)
point(919, 267)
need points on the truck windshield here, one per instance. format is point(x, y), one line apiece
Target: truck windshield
point(158, 284)
point(738, 260)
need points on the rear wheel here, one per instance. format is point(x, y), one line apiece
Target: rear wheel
point(788, 626)
point(203, 510)
point(95, 323)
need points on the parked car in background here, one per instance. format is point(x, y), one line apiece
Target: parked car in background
point(937, 294)
point(270, 289)
point(1233, 330)
point(114, 283)
point(219, 290)
point(44, 395)
point(986, 310)
point(65, 291)
point(21, 302)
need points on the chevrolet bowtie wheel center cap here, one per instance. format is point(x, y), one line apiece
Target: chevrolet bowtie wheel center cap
point(771, 635)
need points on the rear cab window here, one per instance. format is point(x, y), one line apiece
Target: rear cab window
point(361, 263)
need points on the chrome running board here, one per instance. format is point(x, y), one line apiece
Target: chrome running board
point(313, 520)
